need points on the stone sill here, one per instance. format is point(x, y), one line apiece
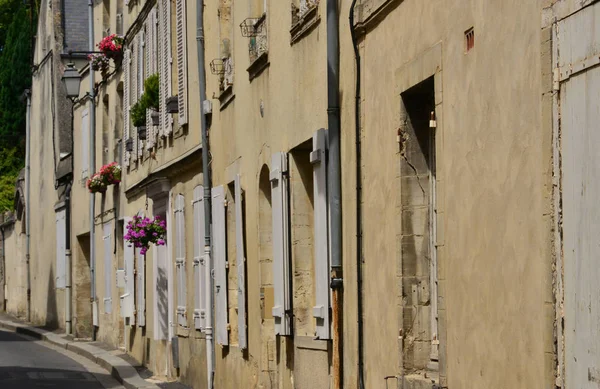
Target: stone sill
point(226, 97)
point(259, 64)
point(307, 23)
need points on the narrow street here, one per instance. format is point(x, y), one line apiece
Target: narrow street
point(25, 364)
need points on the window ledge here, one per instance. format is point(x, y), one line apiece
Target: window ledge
point(226, 97)
point(310, 343)
point(307, 23)
point(259, 64)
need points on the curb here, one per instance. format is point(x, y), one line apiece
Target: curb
point(117, 367)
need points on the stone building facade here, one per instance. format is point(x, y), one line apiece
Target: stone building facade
point(449, 203)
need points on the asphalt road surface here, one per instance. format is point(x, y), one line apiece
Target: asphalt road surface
point(27, 364)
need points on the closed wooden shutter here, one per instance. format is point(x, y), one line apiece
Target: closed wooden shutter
point(180, 260)
point(140, 84)
point(165, 65)
point(126, 103)
point(318, 158)
point(281, 244)
point(148, 48)
point(241, 264)
point(200, 266)
point(141, 289)
point(220, 265)
point(129, 296)
point(182, 76)
point(108, 266)
point(60, 249)
point(133, 84)
point(85, 143)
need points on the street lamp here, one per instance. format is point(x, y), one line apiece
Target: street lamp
point(72, 80)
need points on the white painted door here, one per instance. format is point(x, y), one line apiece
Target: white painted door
point(578, 42)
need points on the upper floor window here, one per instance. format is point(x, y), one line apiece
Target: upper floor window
point(305, 17)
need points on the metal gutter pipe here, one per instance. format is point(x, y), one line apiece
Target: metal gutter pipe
point(335, 185)
point(68, 282)
point(359, 236)
point(27, 202)
point(92, 169)
point(206, 182)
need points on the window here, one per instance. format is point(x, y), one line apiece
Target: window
point(230, 267)
point(418, 172)
point(226, 39)
point(305, 17)
point(182, 76)
point(164, 65)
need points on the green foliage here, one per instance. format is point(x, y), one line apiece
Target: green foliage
point(11, 162)
point(150, 97)
point(15, 77)
point(138, 114)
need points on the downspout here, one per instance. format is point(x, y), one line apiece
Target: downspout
point(3, 302)
point(335, 185)
point(92, 169)
point(208, 330)
point(359, 243)
point(68, 323)
point(27, 201)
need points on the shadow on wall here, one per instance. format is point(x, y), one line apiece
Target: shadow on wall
point(51, 309)
point(162, 302)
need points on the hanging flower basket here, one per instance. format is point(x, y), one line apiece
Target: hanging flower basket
point(112, 47)
point(97, 184)
point(111, 173)
point(141, 232)
point(98, 62)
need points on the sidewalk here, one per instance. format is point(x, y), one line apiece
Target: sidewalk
point(120, 366)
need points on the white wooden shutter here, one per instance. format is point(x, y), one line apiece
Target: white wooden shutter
point(220, 264)
point(166, 61)
point(149, 43)
point(318, 158)
point(141, 289)
point(241, 263)
point(85, 143)
point(182, 77)
point(154, 62)
point(129, 295)
point(180, 259)
point(60, 249)
point(281, 244)
point(140, 82)
point(200, 267)
point(133, 84)
point(108, 268)
point(126, 103)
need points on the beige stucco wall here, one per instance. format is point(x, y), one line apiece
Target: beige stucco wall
point(15, 270)
point(494, 250)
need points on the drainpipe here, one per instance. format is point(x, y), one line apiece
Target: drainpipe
point(92, 169)
point(68, 324)
point(335, 184)
point(208, 330)
point(3, 286)
point(27, 202)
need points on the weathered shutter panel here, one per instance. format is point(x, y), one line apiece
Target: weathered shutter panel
point(281, 244)
point(241, 263)
point(148, 25)
point(140, 74)
point(129, 296)
point(126, 105)
point(165, 62)
point(200, 267)
point(108, 270)
point(85, 143)
point(180, 259)
point(141, 289)
point(133, 84)
point(220, 264)
point(182, 77)
point(154, 61)
point(318, 158)
point(60, 249)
